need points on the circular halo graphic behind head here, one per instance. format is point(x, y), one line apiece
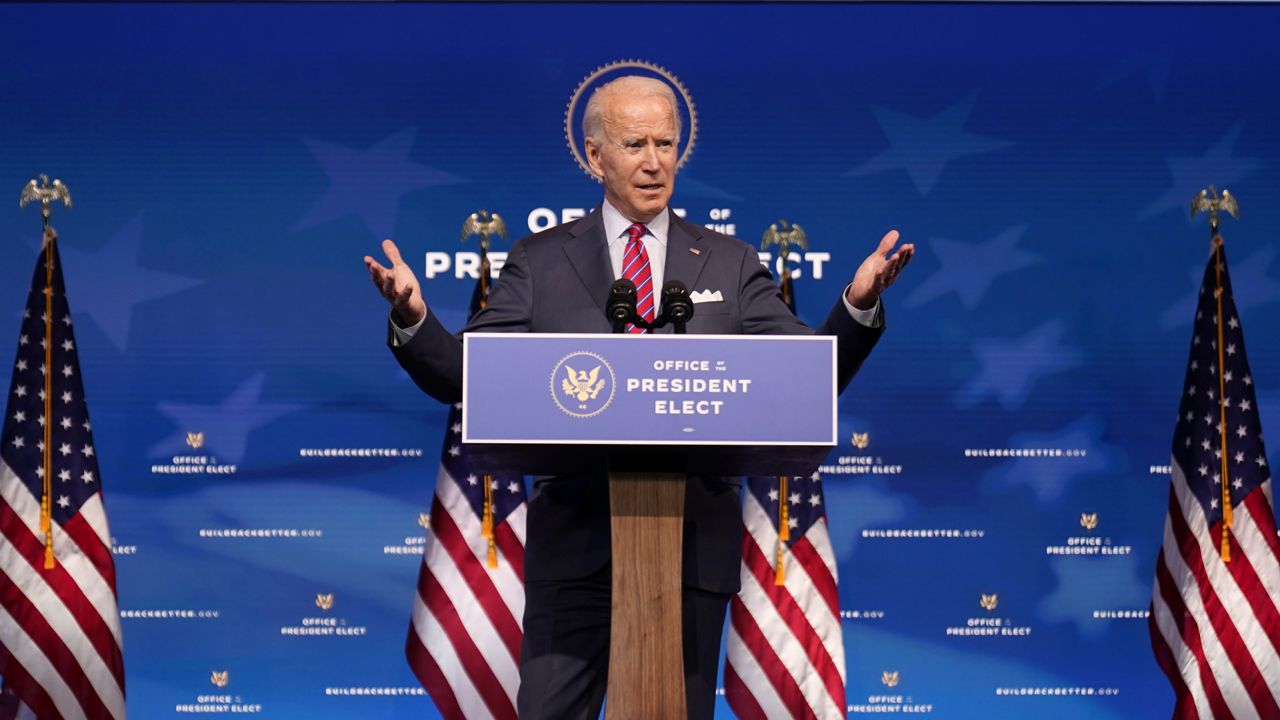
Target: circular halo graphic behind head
point(610, 71)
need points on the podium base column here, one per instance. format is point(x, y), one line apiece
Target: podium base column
point(646, 657)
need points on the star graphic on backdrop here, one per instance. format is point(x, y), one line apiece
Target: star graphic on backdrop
point(370, 183)
point(1147, 66)
point(1250, 282)
point(1190, 174)
point(862, 507)
point(226, 425)
point(1113, 582)
point(692, 187)
point(1048, 477)
point(1010, 367)
point(968, 269)
point(924, 146)
point(108, 282)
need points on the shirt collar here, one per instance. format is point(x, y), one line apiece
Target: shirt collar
point(616, 224)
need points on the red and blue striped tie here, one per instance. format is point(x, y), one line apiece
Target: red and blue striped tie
point(635, 267)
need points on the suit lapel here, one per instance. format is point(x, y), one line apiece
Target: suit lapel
point(588, 252)
point(686, 253)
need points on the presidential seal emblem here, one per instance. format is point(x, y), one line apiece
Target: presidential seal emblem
point(609, 71)
point(582, 384)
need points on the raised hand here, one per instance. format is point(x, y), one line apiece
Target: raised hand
point(398, 285)
point(879, 271)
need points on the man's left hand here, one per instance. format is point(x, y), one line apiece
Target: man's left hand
point(879, 271)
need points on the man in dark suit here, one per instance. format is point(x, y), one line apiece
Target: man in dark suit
point(557, 281)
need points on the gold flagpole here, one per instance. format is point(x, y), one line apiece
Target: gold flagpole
point(1209, 201)
point(47, 194)
point(484, 224)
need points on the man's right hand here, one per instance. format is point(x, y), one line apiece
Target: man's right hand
point(399, 286)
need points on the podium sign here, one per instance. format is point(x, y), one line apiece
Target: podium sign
point(584, 389)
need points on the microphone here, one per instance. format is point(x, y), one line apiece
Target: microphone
point(620, 305)
point(676, 305)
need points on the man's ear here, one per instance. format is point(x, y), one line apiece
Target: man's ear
point(593, 157)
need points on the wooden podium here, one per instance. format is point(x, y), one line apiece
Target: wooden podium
point(647, 471)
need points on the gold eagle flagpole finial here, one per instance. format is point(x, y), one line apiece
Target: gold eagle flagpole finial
point(1209, 201)
point(47, 194)
point(784, 235)
point(485, 225)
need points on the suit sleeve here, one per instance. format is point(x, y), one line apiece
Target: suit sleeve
point(433, 356)
point(764, 313)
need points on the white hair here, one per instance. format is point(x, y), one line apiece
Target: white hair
point(633, 85)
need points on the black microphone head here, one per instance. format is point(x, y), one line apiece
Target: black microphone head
point(620, 306)
point(676, 304)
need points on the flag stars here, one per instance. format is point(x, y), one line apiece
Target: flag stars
point(1213, 503)
point(66, 396)
point(1237, 483)
point(455, 428)
point(792, 522)
point(67, 345)
point(472, 480)
point(18, 442)
point(794, 498)
point(1208, 420)
point(19, 416)
point(1203, 470)
point(1205, 444)
point(1191, 391)
point(43, 370)
point(87, 451)
point(493, 484)
point(40, 420)
point(1241, 431)
point(1231, 348)
point(66, 371)
point(1245, 404)
point(22, 365)
point(773, 495)
point(64, 474)
point(1217, 479)
point(87, 427)
point(40, 471)
point(1190, 416)
point(1239, 456)
point(66, 423)
point(20, 391)
point(64, 501)
point(1227, 376)
point(1262, 461)
point(1233, 323)
point(66, 320)
point(64, 449)
point(87, 476)
point(23, 340)
point(455, 451)
point(815, 501)
point(513, 487)
point(1248, 379)
point(1195, 364)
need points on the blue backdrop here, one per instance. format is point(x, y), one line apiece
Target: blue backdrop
point(232, 164)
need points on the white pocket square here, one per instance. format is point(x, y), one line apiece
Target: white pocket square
point(702, 296)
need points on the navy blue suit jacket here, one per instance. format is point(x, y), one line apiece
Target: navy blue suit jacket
point(557, 281)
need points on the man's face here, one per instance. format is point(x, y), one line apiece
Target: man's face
point(637, 158)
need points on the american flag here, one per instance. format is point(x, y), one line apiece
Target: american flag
point(59, 623)
point(1215, 624)
point(466, 628)
point(785, 653)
